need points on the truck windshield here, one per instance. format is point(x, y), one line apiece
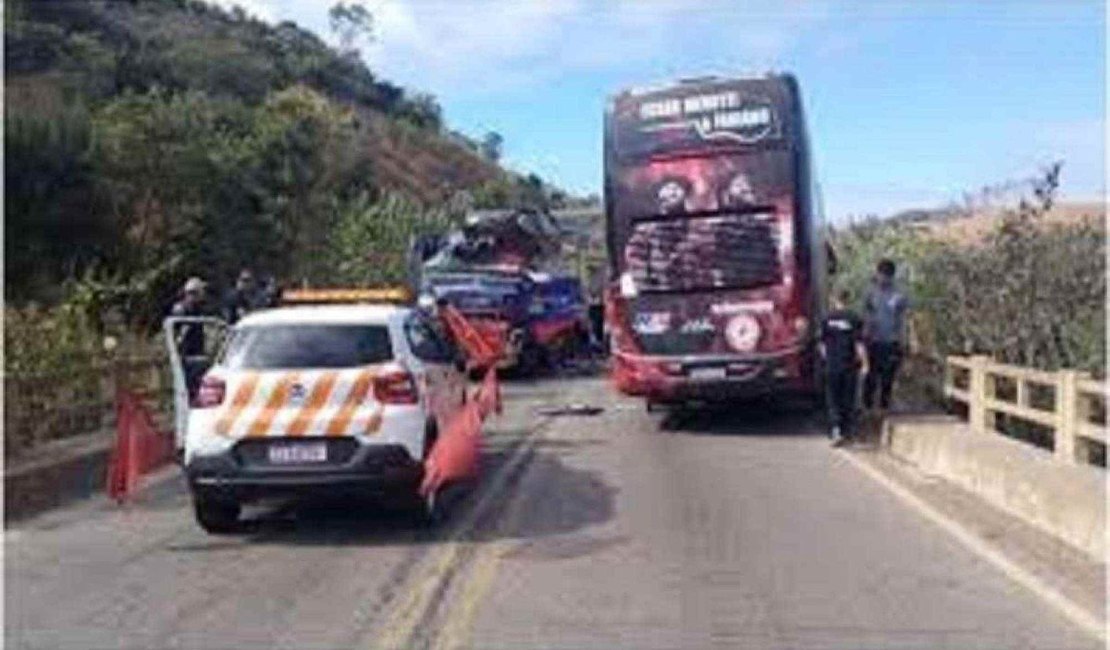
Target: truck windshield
point(722, 251)
point(271, 347)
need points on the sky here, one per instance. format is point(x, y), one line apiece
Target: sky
point(910, 103)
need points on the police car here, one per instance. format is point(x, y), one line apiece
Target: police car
point(311, 399)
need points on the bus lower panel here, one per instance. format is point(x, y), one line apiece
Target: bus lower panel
point(654, 378)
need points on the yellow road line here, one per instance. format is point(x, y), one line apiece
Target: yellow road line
point(459, 622)
point(402, 625)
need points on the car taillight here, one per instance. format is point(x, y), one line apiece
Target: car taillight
point(210, 394)
point(395, 387)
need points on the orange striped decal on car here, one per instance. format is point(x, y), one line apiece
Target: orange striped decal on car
point(278, 398)
point(316, 400)
point(375, 421)
point(239, 401)
point(359, 390)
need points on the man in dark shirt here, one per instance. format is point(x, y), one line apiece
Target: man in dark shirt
point(189, 337)
point(243, 298)
point(845, 357)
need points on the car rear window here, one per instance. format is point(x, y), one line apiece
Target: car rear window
point(267, 347)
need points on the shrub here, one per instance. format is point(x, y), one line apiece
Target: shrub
point(1029, 294)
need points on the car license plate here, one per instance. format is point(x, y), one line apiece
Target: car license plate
point(300, 453)
point(707, 373)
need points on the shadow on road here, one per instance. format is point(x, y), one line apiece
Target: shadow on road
point(571, 499)
point(559, 499)
point(764, 417)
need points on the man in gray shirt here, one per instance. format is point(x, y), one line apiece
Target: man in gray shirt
point(885, 323)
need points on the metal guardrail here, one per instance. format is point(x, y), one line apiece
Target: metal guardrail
point(1076, 412)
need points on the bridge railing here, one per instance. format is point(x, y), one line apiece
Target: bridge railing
point(45, 406)
point(1069, 404)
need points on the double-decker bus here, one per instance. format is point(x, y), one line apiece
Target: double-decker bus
point(717, 256)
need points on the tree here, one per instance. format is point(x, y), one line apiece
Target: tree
point(351, 22)
point(423, 111)
point(532, 193)
point(370, 241)
point(491, 146)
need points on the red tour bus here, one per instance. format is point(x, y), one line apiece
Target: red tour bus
point(717, 256)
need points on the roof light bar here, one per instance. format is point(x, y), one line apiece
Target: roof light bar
point(399, 295)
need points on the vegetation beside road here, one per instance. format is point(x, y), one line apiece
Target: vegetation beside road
point(149, 141)
point(1030, 292)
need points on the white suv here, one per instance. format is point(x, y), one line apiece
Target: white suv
point(319, 399)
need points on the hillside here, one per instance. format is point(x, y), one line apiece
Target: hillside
point(974, 227)
point(148, 140)
point(425, 165)
point(97, 49)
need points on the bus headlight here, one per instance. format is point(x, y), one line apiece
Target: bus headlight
point(742, 332)
point(801, 327)
point(628, 286)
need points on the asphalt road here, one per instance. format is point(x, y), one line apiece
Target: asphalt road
point(618, 530)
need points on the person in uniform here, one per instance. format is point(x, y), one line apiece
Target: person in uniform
point(845, 357)
point(189, 337)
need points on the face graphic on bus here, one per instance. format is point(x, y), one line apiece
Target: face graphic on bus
point(738, 192)
point(692, 185)
point(671, 196)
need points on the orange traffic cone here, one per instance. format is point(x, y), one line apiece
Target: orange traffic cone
point(455, 454)
point(139, 448)
point(489, 394)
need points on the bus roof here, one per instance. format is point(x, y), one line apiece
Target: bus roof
point(703, 114)
point(664, 86)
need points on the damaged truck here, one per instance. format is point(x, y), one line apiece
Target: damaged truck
point(503, 269)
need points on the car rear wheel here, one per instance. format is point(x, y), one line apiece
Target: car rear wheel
point(216, 516)
point(431, 434)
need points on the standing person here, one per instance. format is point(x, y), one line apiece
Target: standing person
point(885, 311)
point(189, 337)
point(242, 299)
point(842, 348)
point(270, 294)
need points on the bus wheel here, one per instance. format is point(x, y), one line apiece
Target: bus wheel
point(811, 403)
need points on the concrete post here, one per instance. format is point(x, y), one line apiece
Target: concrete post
point(977, 392)
point(1022, 393)
point(1067, 399)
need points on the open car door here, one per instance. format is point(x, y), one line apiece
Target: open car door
point(188, 369)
